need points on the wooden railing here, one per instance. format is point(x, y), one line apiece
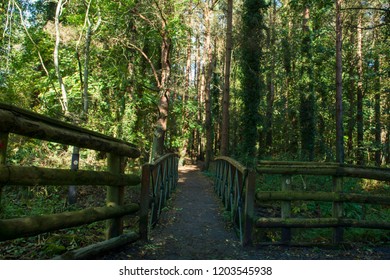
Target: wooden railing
point(159, 180)
point(235, 185)
point(25, 123)
point(337, 196)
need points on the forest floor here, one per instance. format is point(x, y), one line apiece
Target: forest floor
point(194, 227)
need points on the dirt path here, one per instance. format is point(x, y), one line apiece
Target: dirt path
point(193, 227)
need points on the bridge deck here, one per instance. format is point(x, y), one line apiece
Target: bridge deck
point(194, 227)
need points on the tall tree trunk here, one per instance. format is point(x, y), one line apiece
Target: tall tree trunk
point(307, 101)
point(252, 86)
point(270, 81)
point(359, 101)
point(226, 89)
point(339, 86)
point(188, 60)
point(86, 69)
point(64, 94)
point(209, 64)
point(164, 87)
point(377, 105)
point(351, 99)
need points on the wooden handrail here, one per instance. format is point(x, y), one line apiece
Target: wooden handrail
point(30, 124)
point(324, 169)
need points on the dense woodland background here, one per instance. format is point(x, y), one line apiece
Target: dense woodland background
point(252, 79)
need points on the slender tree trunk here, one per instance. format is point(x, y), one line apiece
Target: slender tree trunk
point(188, 60)
point(86, 70)
point(351, 100)
point(359, 101)
point(209, 64)
point(64, 99)
point(164, 86)
point(226, 89)
point(339, 86)
point(163, 106)
point(377, 105)
point(270, 81)
point(307, 101)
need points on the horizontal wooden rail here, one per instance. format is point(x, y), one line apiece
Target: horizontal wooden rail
point(31, 176)
point(262, 196)
point(33, 225)
point(319, 223)
point(100, 247)
point(26, 123)
point(324, 169)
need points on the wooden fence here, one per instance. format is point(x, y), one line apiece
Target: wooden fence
point(25, 123)
point(235, 185)
point(337, 196)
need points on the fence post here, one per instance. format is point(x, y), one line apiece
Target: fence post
point(114, 197)
point(144, 203)
point(337, 209)
point(74, 166)
point(249, 207)
point(3, 156)
point(286, 209)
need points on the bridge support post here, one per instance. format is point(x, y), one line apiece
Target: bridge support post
point(3, 156)
point(337, 209)
point(249, 208)
point(286, 209)
point(115, 197)
point(144, 203)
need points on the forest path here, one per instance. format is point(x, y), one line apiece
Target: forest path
point(193, 227)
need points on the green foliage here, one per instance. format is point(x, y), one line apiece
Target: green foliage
point(252, 88)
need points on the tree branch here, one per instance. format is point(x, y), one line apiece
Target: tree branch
point(149, 61)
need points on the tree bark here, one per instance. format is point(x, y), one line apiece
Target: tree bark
point(164, 90)
point(377, 105)
point(339, 86)
point(359, 101)
point(307, 101)
point(226, 89)
point(270, 82)
point(64, 94)
point(209, 64)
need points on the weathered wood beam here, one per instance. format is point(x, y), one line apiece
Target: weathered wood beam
point(321, 196)
point(382, 174)
point(114, 197)
point(30, 176)
point(33, 225)
point(3, 156)
point(36, 126)
point(319, 223)
point(99, 248)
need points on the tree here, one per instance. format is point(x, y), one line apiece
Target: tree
point(306, 88)
point(339, 86)
point(64, 94)
point(252, 87)
point(226, 88)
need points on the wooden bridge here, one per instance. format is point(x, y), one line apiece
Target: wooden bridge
point(240, 189)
